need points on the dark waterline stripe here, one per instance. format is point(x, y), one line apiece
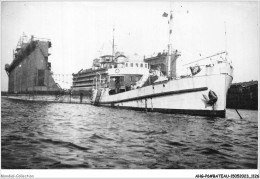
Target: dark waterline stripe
point(193, 112)
point(157, 95)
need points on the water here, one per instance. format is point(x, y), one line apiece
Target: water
point(55, 135)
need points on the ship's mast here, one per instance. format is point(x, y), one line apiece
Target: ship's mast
point(225, 37)
point(113, 43)
point(169, 45)
point(226, 45)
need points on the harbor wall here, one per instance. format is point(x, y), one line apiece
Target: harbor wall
point(243, 95)
point(65, 98)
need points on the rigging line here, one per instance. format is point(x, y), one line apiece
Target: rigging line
point(205, 58)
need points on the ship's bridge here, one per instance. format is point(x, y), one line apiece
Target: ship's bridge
point(126, 76)
point(129, 68)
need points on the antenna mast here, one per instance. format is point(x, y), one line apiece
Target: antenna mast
point(226, 45)
point(225, 38)
point(169, 44)
point(113, 44)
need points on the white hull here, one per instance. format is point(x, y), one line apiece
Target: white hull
point(184, 95)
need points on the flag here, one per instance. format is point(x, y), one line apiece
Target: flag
point(165, 14)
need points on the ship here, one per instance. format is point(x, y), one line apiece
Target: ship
point(148, 87)
point(153, 84)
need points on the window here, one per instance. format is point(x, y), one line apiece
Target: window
point(132, 64)
point(136, 64)
point(141, 65)
point(146, 65)
point(126, 64)
point(122, 79)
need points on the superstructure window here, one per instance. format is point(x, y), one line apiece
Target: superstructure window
point(132, 64)
point(141, 65)
point(126, 64)
point(132, 78)
point(136, 64)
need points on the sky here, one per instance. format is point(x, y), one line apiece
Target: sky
point(81, 31)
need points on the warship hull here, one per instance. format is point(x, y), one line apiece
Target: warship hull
point(185, 96)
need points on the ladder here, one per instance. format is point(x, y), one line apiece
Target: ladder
point(99, 92)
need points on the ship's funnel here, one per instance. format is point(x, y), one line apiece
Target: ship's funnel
point(173, 63)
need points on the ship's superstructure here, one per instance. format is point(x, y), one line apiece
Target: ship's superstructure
point(30, 70)
point(160, 62)
point(86, 79)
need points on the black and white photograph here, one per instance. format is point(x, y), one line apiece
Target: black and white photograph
point(134, 87)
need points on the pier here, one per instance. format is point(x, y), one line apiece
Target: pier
point(243, 95)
